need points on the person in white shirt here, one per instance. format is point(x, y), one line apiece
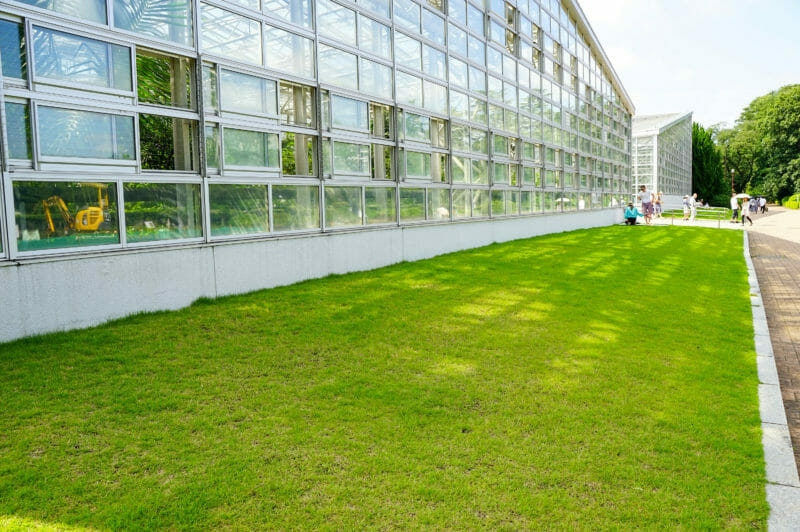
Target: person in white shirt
point(685, 208)
point(647, 203)
point(693, 206)
point(762, 203)
point(734, 208)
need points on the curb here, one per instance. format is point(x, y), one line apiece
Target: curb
point(783, 483)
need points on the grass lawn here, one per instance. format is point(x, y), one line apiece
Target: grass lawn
point(595, 379)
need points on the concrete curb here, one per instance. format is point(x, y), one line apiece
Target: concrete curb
point(783, 483)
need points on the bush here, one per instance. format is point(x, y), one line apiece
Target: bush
point(792, 202)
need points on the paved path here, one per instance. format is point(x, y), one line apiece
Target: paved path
point(775, 249)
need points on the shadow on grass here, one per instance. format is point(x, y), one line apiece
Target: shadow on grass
point(591, 378)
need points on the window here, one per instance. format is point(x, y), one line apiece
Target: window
point(337, 67)
point(380, 121)
point(230, 35)
point(460, 167)
point(336, 21)
point(406, 15)
point(479, 141)
point(250, 148)
point(12, 49)
point(379, 205)
point(67, 133)
point(18, 130)
point(434, 97)
point(210, 97)
point(297, 154)
point(480, 203)
point(498, 202)
point(347, 113)
point(351, 159)
point(438, 204)
point(212, 146)
point(248, 94)
point(375, 78)
point(294, 11)
point(380, 7)
point(170, 20)
point(418, 164)
point(64, 57)
point(297, 104)
point(374, 37)
point(417, 127)
point(164, 80)
point(433, 62)
point(462, 205)
point(295, 207)
point(289, 52)
point(342, 206)
point(167, 143)
point(412, 204)
point(407, 51)
point(480, 172)
point(433, 26)
point(459, 137)
point(408, 89)
point(382, 162)
point(64, 214)
point(162, 211)
point(238, 209)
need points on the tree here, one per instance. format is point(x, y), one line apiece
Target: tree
point(708, 177)
point(764, 146)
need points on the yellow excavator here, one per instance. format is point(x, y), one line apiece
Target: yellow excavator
point(88, 219)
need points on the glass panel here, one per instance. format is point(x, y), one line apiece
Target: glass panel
point(167, 143)
point(374, 37)
point(407, 51)
point(418, 164)
point(458, 72)
point(12, 49)
point(210, 99)
point(294, 11)
point(480, 203)
point(64, 215)
point(248, 94)
point(480, 172)
point(460, 167)
point(66, 57)
point(477, 111)
point(512, 202)
point(250, 148)
point(459, 137)
point(69, 133)
point(417, 127)
point(408, 89)
point(406, 15)
point(295, 207)
point(238, 209)
point(498, 202)
point(229, 35)
point(382, 161)
point(165, 19)
point(379, 205)
point(336, 21)
point(438, 204)
point(162, 211)
point(351, 159)
point(164, 80)
point(500, 173)
point(433, 27)
point(91, 10)
point(479, 141)
point(412, 204)
point(433, 62)
point(462, 204)
point(349, 114)
point(297, 104)
point(342, 206)
point(297, 154)
point(381, 7)
point(375, 78)
point(435, 97)
point(337, 67)
point(289, 52)
point(212, 146)
point(18, 130)
point(252, 4)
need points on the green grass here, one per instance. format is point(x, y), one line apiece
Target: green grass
point(600, 379)
point(701, 214)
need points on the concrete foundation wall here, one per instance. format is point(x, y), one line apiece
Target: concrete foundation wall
point(61, 293)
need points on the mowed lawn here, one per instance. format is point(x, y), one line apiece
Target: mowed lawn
point(595, 379)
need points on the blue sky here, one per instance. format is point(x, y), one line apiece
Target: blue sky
point(712, 57)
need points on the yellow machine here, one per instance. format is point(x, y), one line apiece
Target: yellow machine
point(88, 219)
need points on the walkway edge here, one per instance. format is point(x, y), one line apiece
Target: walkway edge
point(783, 483)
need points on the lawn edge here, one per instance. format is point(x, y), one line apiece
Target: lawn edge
point(782, 481)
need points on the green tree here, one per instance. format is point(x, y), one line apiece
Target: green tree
point(708, 177)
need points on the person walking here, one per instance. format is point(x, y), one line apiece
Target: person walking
point(646, 198)
point(686, 208)
point(734, 208)
point(693, 207)
point(659, 204)
point(746, 211)
point(762, 203)
point(753, 206)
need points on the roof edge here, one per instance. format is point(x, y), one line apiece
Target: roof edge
point(660, 129)
point(583, 24)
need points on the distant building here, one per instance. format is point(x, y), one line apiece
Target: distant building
point(670, 137)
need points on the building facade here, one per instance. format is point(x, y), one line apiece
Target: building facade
point(135, 131)
point(662, 155)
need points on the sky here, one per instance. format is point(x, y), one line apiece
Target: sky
point(712, 57)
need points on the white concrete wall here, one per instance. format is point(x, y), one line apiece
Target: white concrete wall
point(61, 293)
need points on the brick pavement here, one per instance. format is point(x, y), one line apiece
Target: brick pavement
point(775, 250)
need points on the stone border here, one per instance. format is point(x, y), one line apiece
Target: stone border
point(783, 483)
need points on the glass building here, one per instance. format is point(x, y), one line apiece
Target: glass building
point(662, 155)
point(132, 124)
